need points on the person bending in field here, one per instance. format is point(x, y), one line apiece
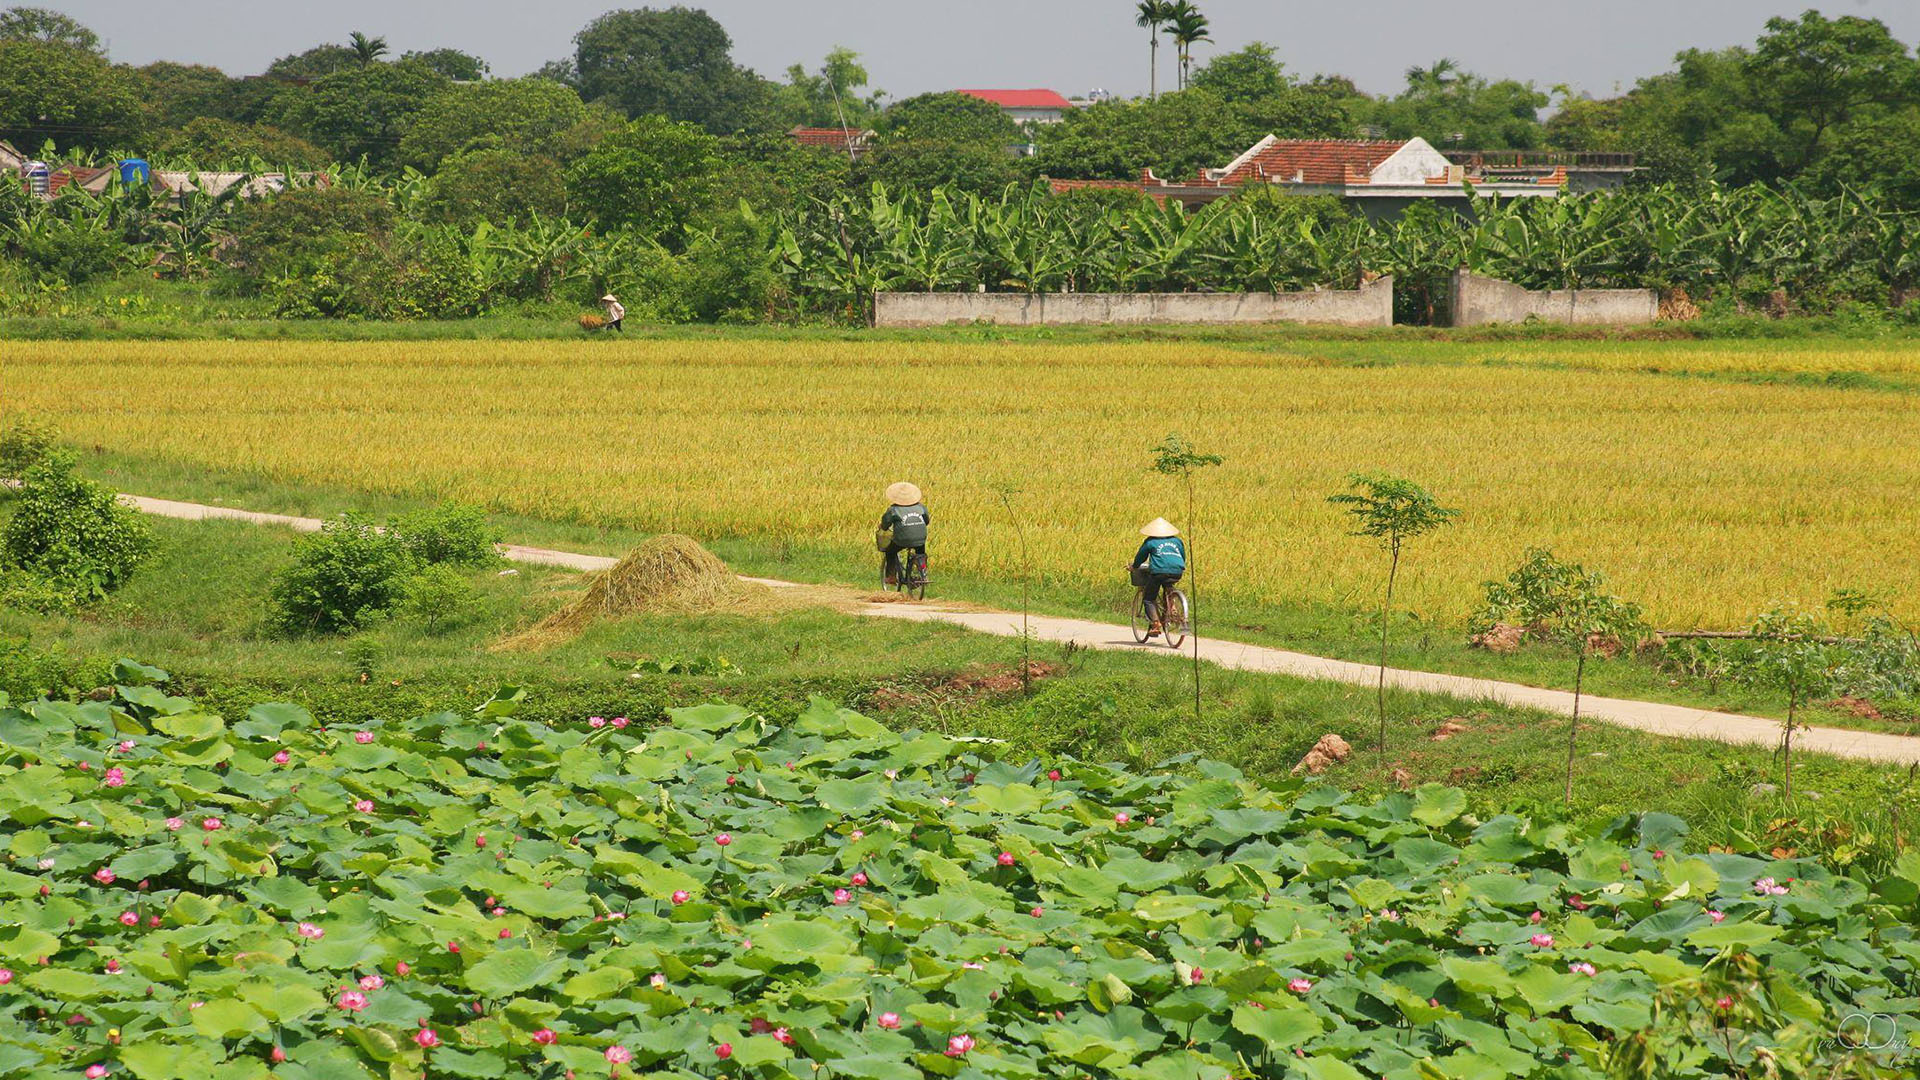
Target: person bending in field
point(903, 528)
point(615, 312)
point(1157, 567)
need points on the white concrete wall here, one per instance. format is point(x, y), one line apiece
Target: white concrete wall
point(1370, 305)
point(1478, 301)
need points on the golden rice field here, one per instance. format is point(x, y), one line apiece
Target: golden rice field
point(1706, 500)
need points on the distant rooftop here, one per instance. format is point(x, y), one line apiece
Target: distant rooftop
point(1021, 99)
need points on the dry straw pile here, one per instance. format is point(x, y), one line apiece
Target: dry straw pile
point(667, 574)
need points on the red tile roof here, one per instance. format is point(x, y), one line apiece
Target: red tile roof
point(1021, 99)
point(838, 138)
point(1312, 161)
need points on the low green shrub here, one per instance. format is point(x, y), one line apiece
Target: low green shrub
point(344, 576)
point(454, 533)
point(440, 598)
point(28, 442)
point(69, 541)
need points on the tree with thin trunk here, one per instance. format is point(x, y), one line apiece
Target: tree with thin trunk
point(1392, 510)
point(1175, 457)
point(1006, 492)
point(1792, 652)
point(366, 49)
point(1189, 29)
point(1153, 14)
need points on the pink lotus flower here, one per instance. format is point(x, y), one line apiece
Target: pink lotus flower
point(153, 920)
point(890, 1021)
point(1389, 914)
point(1053, 774)
point(657, 981)
point(621, 721)
point(103, 875)
point(680, 896)
point(723, 839)
point(1536, 918)
point(365, 806)
point(352, 1001)
point(311, 932)
point(618, 1055)
point(427, 1037)
point(723, 1051)
point(1723, 1004)
point(783, 1036)
point(112, 966)
point(505, 933)
point(499, 911)
point(278, 1055)
point(1717, 916)
point(1122, 818)
point(114, 777)
point(129, 918)
point(1005, 859)
point(1541, 941)
point(855, 834)
point(6, 976)
point(1196, 976)
point(211, 824)
point(1580, 967)
point(973, 965)
point(859, 878)
point(480, 841)
point(453, 946)
point(363, 737)
point(598, 722)
point(1037, 911)
point(403, 969)
point(1300, 986)
point(841, 896)
point(546, 1037)
point(372, 982)
point(96, 1071)
point(126, 746)
point(173, 824)
point(959, 1045)
point(282, 758)
point(892, 774)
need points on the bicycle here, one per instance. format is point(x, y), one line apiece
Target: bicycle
point(913, 575)
point(1173, 615)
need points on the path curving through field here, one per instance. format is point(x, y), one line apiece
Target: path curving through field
point(1678, 721)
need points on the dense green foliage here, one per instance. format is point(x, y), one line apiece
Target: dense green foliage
point(69, 541)
point(348, 573)
point(482, 894)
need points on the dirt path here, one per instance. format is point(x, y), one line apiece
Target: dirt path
point(1679, 721)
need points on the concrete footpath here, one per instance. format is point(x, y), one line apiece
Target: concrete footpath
point(1679, 721)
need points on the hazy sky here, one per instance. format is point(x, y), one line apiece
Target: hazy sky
point(911, 46)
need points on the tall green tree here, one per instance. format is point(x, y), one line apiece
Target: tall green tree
point(658, 177)
point(830, 96)
point(48, 27)
point(359, 111)
point(530, 115)
point(674, 62)
point(1189, 28)
point(1179, 133)
point(324, 59)
point(68, 95)
point(1153, 15)
point(945, 138)
point(454, 64)
point(209, 142)
point(1453, 108)
point(1814, 74)
point(1250, 73)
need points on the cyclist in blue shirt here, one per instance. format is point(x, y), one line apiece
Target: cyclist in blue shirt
point(1158, 566)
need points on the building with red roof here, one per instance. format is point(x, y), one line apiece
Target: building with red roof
point(847, 141)
point(1026, 106)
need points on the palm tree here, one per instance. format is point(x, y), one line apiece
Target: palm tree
point(366, 49)
point(1189, 27)
point(1438, 75)
point(1153, 14)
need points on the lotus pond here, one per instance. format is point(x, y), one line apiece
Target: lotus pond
point(476, 895)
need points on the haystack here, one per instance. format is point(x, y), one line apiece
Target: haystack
point(666, 575)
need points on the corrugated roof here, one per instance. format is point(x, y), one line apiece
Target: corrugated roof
point(837, 138)
point(1021, 99)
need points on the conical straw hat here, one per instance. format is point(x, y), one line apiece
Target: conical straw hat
point(903, 494)
point(1159, 527)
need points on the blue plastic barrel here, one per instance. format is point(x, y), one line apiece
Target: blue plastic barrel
point(135, 171)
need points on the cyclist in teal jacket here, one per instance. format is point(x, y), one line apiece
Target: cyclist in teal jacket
point(1158, 566)
point(905, 526)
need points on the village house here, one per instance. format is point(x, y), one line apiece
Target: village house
point(1380, 177)
point(846, 141)
point(1026, 106)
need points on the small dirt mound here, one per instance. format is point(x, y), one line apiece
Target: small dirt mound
point(1500, 638)
point(666, 575)
point(1447, 731)
point(1331, 750)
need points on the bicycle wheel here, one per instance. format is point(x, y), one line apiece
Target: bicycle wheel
point(1173, 618)
point(914, 581)
point(1138, 617)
